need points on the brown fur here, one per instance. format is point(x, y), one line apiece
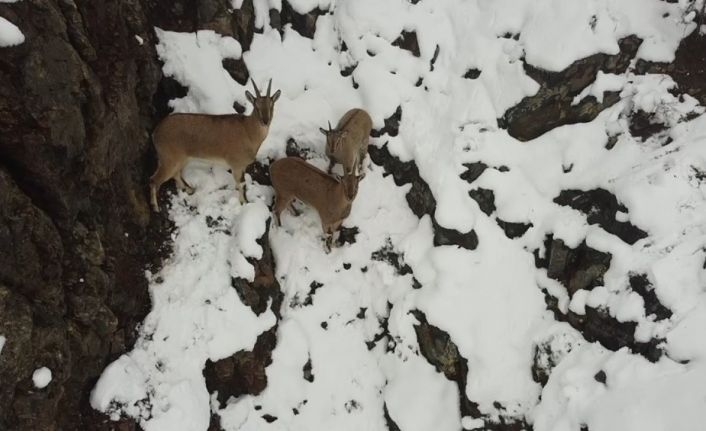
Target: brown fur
point(332, 198)
point(233, 139)
point(348, 142)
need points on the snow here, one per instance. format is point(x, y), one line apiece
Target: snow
point(41, 377)
point(604, 82)
point(10, 35)
point(491, 300)
point(3, 340)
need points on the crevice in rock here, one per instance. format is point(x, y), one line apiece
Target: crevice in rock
point(419, 198)
point(576, 268)
point(440, 351)
point(552, 106)
point(601, 207)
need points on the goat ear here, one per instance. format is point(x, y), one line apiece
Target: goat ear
point(250, 97)
point(322, 130)
point(276, 95)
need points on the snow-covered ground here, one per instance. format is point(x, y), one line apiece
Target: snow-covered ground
point(489, 300)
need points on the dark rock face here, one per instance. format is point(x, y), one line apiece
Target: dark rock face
point(437, 347)
point(419, 198)
point(600, 207)
point(688, 68)
point(75, 116)
point(244, 372)
point(408, 40)
point(583, 268)
point(513, 229)
point(576, 268)
point(551, 106)
point(304, 24)
point(392, 125)
point(485, 199)
point(641, 285)
point(473, 171)
point(644, 125)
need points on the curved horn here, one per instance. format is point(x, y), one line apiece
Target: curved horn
point(269, 87)
point(257, 91)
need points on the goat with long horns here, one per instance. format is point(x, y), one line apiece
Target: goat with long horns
point(233, 139)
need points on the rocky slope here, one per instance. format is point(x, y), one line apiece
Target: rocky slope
point(77, 102)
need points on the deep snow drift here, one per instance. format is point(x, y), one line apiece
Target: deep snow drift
point(490, 300)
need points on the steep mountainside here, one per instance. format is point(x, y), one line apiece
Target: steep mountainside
point(526, 245)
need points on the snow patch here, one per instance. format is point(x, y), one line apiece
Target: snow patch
point(10, 35)
point(41, 377)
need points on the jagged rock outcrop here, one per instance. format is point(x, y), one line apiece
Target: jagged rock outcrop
point(420, 198)
point(688, 68)
point(244, 372)
point(551, 107)
point(601, 208)
point(583, 268)
point(75, 115)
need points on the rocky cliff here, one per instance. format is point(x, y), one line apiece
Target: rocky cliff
point(78, 100)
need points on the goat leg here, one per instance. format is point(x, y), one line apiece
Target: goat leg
point(294, 210)
point(182, 184)
point(239, 177)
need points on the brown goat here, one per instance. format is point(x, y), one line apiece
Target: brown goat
point(233, 139)
point(348, 142)
point(293, 178)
